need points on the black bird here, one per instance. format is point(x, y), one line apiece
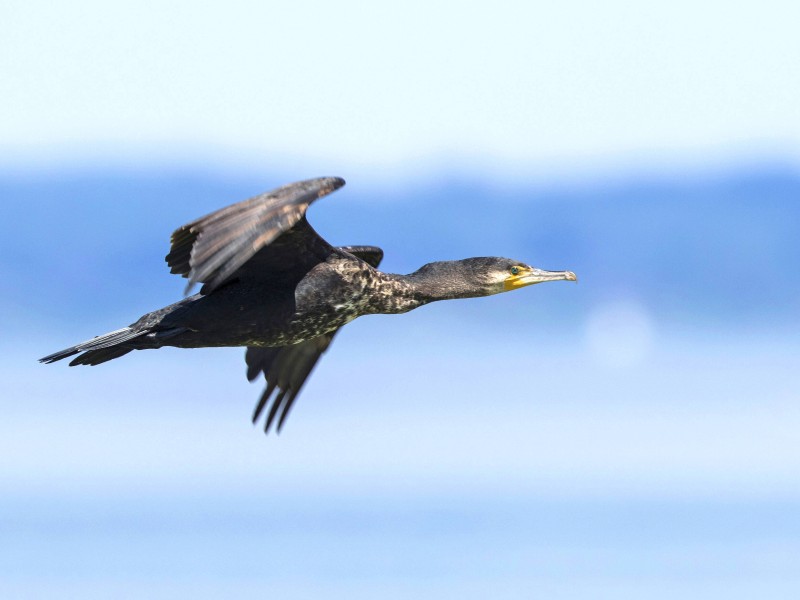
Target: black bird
point(272, 284)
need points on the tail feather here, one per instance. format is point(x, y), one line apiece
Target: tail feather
point(97, 350)
point(95, 357)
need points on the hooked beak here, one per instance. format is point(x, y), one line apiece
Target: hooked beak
point(534, 275)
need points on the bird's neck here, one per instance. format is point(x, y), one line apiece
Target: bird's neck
point(395, 294)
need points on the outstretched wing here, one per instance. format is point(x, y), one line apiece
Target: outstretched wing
point(286, 369)
point(214, 248)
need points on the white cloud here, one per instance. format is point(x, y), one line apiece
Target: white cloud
point(508, 83)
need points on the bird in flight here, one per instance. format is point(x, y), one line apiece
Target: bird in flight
point(270, 283)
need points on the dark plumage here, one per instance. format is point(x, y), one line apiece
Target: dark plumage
point(273, 285)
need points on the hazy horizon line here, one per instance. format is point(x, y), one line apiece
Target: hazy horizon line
point(714, 162)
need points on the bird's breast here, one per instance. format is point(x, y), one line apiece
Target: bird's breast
point(330, 296)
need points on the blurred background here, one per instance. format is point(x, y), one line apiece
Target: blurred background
point(631, 436)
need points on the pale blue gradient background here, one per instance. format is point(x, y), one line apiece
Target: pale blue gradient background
point(632, 436)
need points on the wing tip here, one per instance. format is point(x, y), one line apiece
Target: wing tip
point(327, 185)
point(336, 181)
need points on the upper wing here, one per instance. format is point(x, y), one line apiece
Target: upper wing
point(287, 368)
point(212, 248)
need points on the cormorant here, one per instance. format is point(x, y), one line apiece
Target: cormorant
point(273, 285)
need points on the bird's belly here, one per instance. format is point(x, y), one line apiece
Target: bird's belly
point(308, 325)
point(332, 297)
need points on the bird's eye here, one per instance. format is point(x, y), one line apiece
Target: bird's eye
point(515, 270)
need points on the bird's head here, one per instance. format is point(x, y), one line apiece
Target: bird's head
point(505, 274)
point(485, 276)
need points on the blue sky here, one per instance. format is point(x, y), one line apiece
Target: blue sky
point(631, 436)
point(640, 424)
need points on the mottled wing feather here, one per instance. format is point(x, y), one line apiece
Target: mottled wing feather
point(372, 255)
point(213, 248)
point(287, 368)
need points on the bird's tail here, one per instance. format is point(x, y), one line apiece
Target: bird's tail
point(97, 350)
